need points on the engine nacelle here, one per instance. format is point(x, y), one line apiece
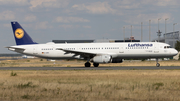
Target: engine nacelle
point(102, 59)
point(116, 60)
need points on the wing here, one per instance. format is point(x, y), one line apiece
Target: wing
point(17, 49)
point(84, 54)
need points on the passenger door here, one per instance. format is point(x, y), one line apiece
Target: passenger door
point(35, 50)
point(156, 48)
point(121, 50)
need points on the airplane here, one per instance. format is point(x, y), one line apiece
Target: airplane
point(97, 53)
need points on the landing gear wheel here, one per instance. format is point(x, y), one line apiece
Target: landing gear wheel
point(96, 64)
point(87, 64)
point(157, 65)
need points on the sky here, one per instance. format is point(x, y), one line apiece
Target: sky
point(47, 20)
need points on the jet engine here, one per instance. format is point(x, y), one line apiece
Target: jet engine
point(102, 59)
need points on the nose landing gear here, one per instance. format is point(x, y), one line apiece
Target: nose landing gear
point(157, 64)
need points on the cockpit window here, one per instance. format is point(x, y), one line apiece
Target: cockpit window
point(167, 47)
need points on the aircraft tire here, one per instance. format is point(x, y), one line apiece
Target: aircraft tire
point(157, 65)
point(96, 64)
point(87, 64)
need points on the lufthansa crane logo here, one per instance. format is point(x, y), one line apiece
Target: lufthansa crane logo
point(19, 33)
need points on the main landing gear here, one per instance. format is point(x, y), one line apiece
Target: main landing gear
point(96, 64)
point(157, 64)
point(88, 64)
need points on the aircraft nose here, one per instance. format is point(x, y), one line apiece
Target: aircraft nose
point(175, 52)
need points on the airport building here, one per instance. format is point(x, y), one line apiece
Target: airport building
point(72, 41)
point(131, 39)
point(169, 38)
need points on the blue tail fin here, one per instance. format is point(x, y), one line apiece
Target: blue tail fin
point(20, 35)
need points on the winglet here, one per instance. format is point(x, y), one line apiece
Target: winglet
point(20, 35)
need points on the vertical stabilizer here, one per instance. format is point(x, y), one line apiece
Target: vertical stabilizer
point(20, 35)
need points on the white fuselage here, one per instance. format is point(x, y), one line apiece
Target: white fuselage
point(116, 50)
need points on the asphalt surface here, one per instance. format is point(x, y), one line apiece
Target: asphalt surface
point(93, 68)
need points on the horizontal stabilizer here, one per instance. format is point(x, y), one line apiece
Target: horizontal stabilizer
point(17, 49)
